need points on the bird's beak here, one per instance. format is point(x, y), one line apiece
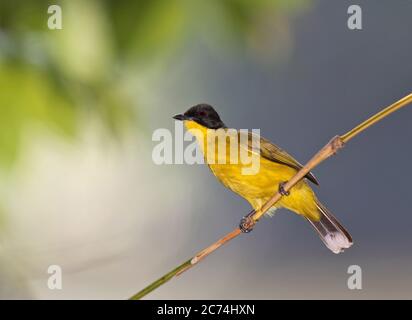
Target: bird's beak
point(180, 117)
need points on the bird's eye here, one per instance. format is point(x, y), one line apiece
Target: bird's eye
point(202, 113)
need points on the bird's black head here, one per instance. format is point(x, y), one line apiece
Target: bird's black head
point(203, 114)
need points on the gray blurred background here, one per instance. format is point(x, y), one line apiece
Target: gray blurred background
point(95, 203)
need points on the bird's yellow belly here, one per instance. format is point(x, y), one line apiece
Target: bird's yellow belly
point(258, 188)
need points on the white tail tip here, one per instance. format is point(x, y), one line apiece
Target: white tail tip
point(337, 242)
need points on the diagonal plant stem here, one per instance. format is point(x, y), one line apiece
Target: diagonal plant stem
point(333, 146)
point(161, 280)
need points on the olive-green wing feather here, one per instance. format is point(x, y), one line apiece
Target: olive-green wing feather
point(272, 152)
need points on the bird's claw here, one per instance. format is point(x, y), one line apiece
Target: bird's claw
point(246, 224)
point(282, 190)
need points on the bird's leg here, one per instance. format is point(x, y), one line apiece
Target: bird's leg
point(282, 190)
point(247, 223)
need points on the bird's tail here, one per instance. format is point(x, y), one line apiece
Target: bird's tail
point(332, 233)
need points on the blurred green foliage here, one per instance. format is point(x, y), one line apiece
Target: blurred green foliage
point(55, 77)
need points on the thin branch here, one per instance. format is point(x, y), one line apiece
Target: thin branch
point(334, 145)
point(161, 281)
point(377, 117)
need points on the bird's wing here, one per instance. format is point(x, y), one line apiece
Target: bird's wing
point(273, 153)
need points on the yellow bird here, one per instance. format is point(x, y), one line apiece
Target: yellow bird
point(275, 168)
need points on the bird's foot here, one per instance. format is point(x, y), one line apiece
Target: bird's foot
point(282, 190)
point(247, 223)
